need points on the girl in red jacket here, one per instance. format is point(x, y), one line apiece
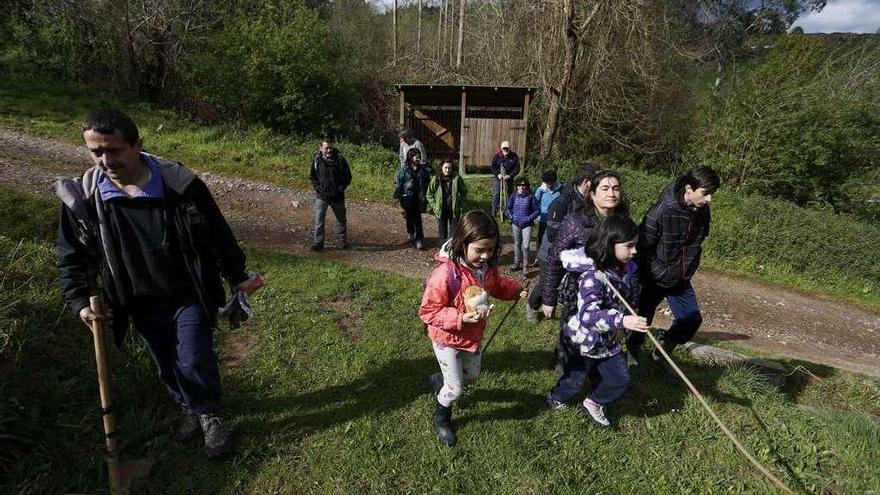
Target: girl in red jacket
point(455, 308)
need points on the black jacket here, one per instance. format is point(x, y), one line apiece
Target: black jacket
point(671, 237)
point(330, 179)
point(569, 200)
point(509, 163)
point(412, 183)
point(88, 252)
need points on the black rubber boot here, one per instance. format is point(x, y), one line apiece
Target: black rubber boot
point(443, 424)
point(658, 358)
point(436, 381)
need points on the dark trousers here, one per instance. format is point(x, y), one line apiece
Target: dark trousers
point(445, 224)
point(338, 207)
point(685, 312)
point(614, 382)
point(412, 211)
point(542, 227)
point(496, 194)
point(179, 336)
point(536, 295)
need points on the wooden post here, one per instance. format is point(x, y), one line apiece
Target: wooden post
point(461, 164)
point(402, 108)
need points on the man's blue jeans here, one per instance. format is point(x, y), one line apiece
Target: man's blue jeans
point(338, 207)
point(179, 336)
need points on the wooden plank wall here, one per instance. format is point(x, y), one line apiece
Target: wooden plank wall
point(483, 138)
point(437, 128)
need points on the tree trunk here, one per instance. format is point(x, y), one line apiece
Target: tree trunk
point(394, 36)
point(440, 32)
point(556, 95)
point(460, 34)
point(450, 34)
point(419, 31)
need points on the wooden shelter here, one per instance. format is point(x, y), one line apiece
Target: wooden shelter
point(466, 123)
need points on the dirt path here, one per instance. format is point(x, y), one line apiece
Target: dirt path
point(762, 318)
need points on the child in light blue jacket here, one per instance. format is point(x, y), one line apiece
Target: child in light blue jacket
point(545, 194)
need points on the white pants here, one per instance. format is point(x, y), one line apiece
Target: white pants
point(459, 368)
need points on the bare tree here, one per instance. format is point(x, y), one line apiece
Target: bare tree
point(460, 33)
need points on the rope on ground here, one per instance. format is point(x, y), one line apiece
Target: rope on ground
point(766, 472)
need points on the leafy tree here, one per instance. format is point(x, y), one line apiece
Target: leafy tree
point(278, 68)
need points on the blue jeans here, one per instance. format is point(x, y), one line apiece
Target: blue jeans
point(338, 207)
point(179, 336)
point(685, 312)
point(522, 237)
point(576, 368)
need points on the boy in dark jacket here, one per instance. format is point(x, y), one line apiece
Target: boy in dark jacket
point(670, 244)
point(330, 176)
point(149, 230)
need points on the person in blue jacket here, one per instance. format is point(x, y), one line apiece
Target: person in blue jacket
point(545, 194)
point(522, 209)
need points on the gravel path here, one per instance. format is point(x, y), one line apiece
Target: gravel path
point(762, 318)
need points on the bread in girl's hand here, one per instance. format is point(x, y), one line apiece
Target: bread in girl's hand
point(474, 297)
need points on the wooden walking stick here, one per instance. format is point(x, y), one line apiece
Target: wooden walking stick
point(766, 472)
point(121, 473)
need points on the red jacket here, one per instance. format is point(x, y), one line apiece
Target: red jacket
point(443, 316)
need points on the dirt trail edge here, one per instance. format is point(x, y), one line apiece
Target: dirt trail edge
point(766, 319)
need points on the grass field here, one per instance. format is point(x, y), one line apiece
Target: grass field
point(327, 391)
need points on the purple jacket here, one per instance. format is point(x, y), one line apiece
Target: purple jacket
point(597, 327)
point(522, 209)
point(573, 233)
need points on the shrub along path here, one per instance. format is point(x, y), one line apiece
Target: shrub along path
point(765, 319)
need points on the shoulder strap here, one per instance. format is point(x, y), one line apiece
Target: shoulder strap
point(453, 280)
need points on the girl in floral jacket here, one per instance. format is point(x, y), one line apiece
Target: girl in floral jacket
point(592, 336)
point(455, 309)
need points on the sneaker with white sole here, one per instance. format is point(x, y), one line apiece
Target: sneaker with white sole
point(555, 404)
point(596, 412)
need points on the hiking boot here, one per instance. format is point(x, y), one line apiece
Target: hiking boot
point(346, 245)
point(317, 246)
point(554, 404)
point(443, 424)
point(218, 440)
point(436, 381)
point(189, 426)
point(596, 413)
point(419, 244)
point(532, 315)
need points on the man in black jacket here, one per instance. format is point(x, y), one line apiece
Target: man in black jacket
point(150, 232)
point(505, 167)
point(330, 177)
point(670, 244)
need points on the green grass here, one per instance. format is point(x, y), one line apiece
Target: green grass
point(331, 397)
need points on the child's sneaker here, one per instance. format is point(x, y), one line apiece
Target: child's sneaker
point(596, 412)
point(555, 404)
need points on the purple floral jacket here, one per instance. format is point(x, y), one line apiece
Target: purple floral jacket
point(597, 326)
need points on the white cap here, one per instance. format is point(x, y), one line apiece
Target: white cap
point(505, 144)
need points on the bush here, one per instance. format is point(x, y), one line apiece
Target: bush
point(798, 124)
point(277, 68)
